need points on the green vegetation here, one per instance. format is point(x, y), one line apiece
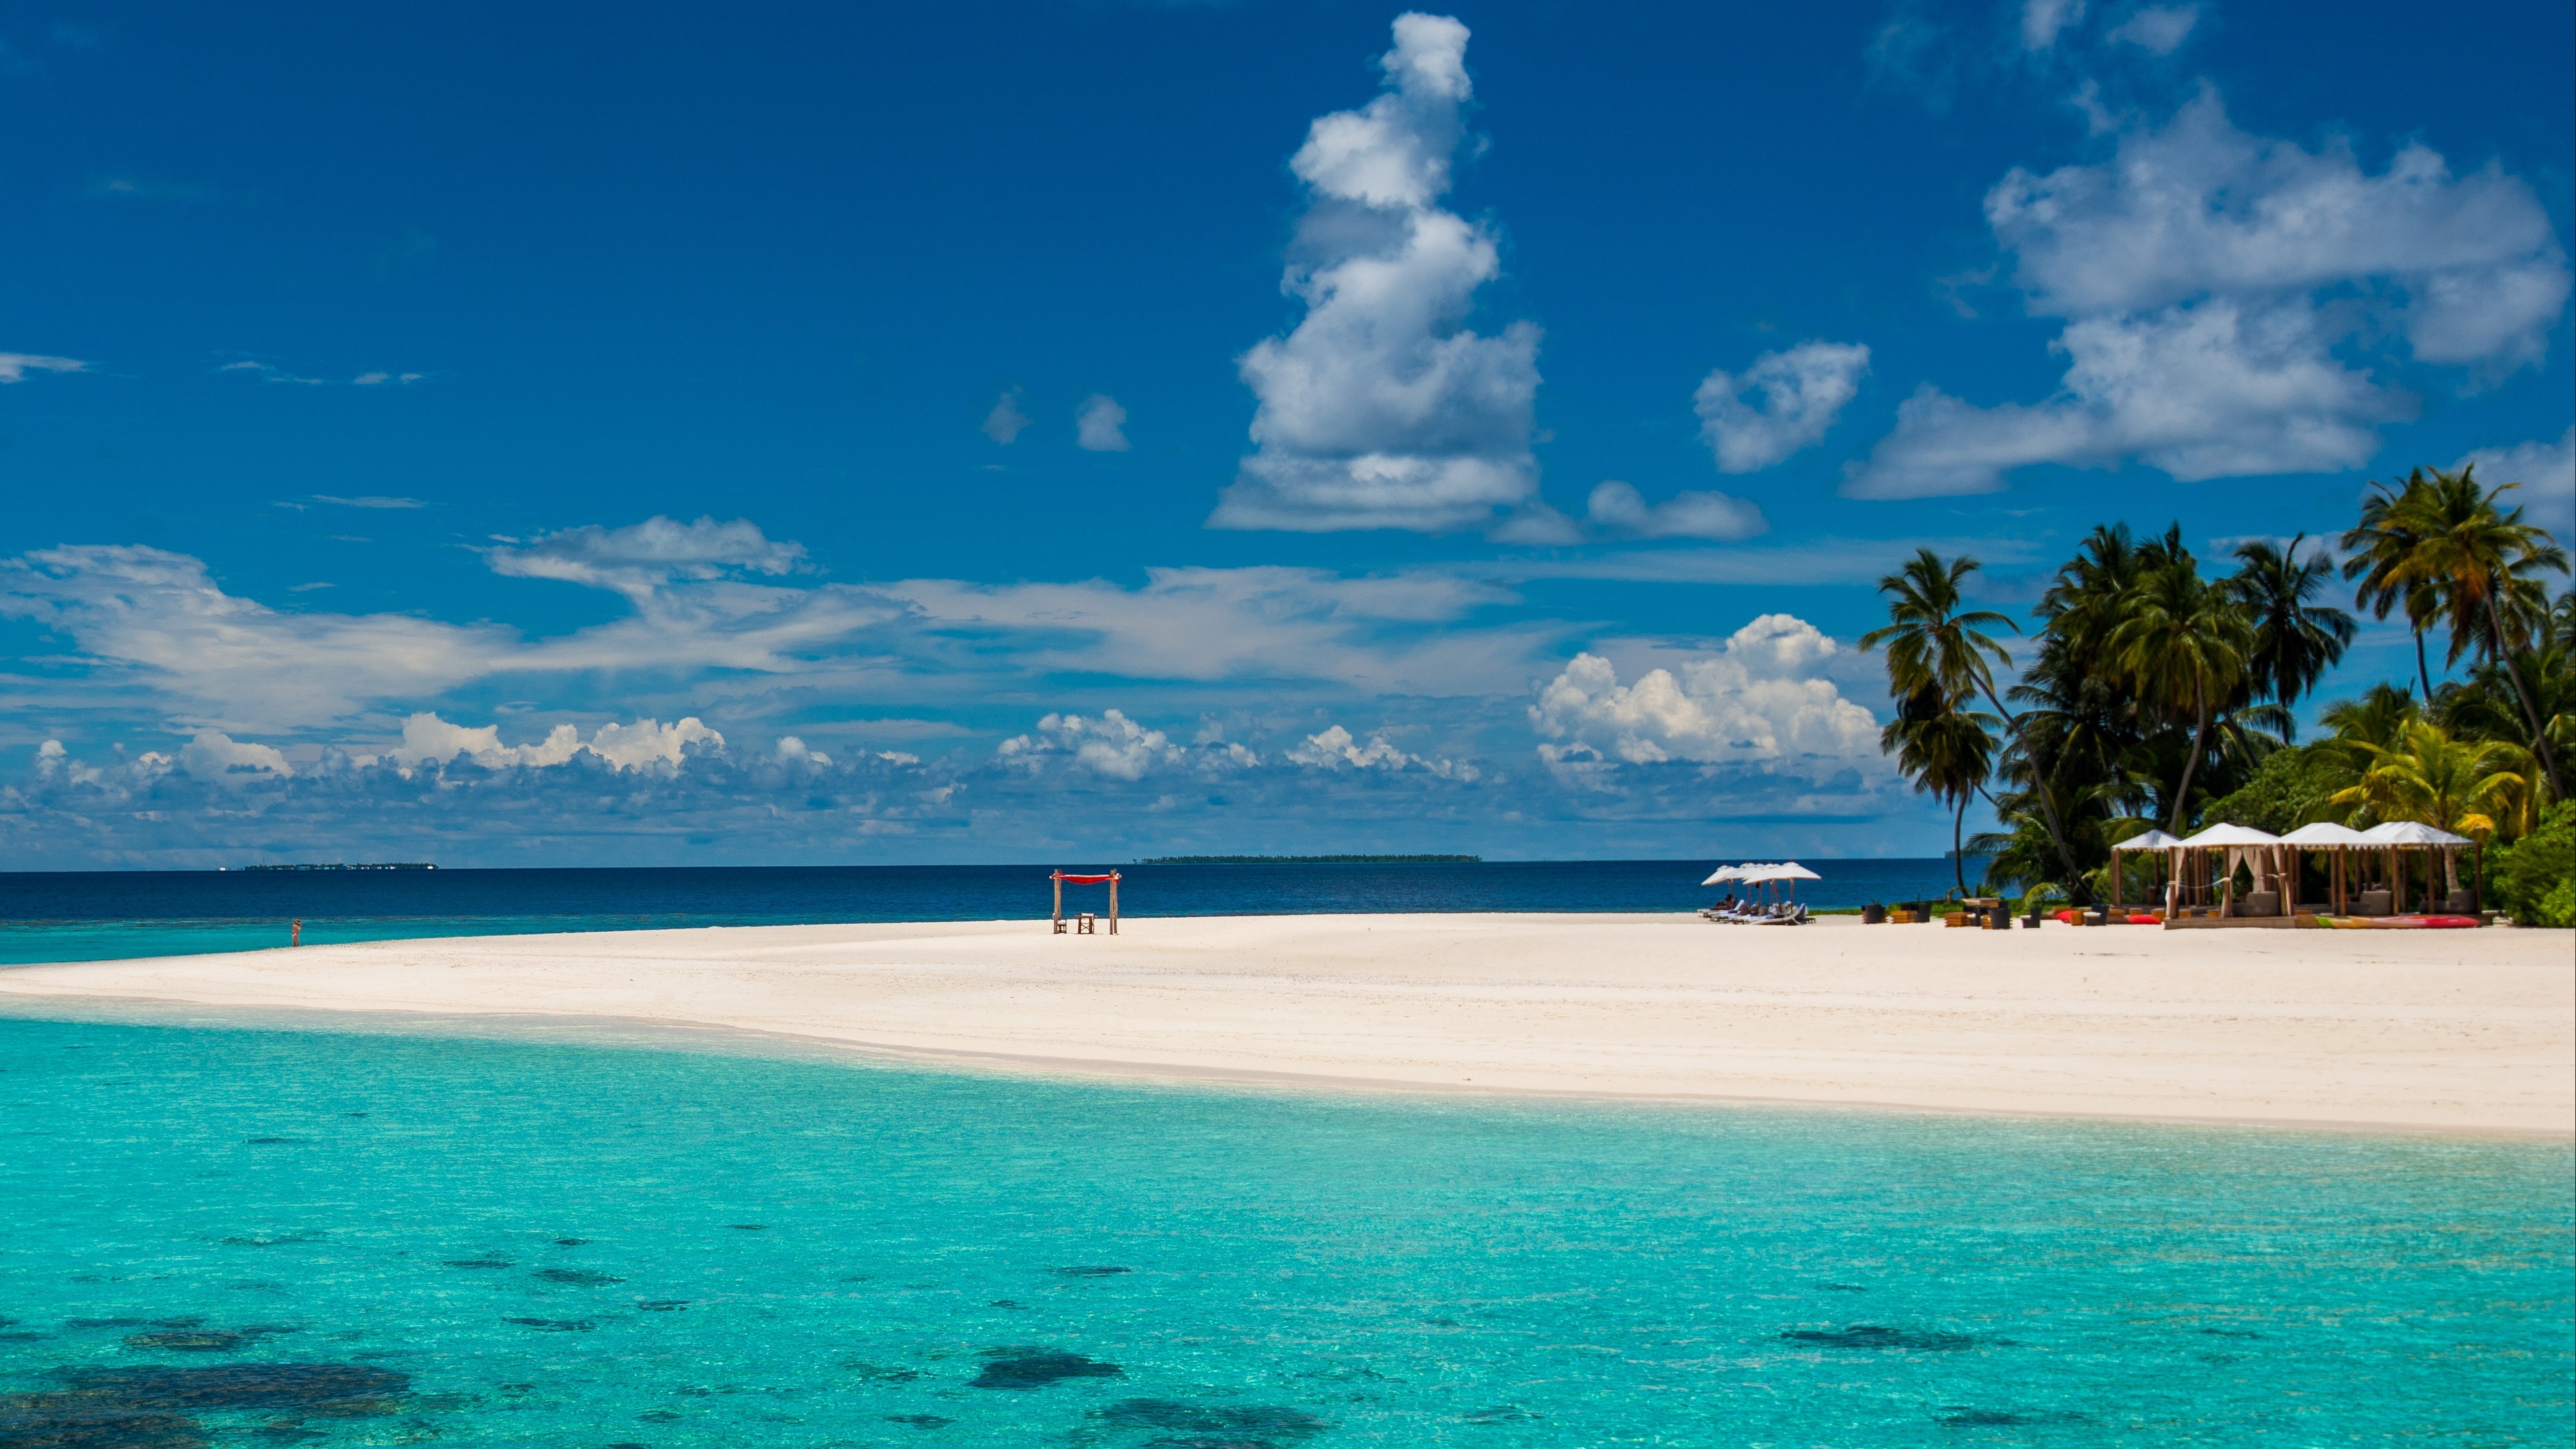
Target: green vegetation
point(2158, 696)
point(1314, 860)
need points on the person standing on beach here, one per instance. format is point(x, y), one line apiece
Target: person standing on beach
point(295, 934)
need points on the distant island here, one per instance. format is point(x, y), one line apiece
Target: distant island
point(387, 865)
point(1314, 860)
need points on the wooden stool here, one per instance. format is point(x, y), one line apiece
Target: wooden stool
point(1084, 924)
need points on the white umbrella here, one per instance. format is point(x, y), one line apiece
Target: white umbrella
point(1791, 870)
point(1724, 873)
point(2152, 840)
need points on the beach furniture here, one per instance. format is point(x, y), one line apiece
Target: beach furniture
point(1779, 911)
point(2337, 843)
point(1083, 925)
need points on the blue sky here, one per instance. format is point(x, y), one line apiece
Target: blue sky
point(1004, 432)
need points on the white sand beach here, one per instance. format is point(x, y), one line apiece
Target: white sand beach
point(2443, 1030)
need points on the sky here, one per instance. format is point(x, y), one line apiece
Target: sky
point(1077, 431)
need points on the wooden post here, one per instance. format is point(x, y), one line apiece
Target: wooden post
point(1113, 903)
point(1058, 878)
point(2119, 868)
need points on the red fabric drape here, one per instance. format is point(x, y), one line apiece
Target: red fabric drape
point(1081, 879)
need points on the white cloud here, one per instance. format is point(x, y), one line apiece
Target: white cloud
point(1249, 623)
point(150, 620)
point(214, 755)
point(1379, 410)
point(1618, 507)
point(2043, 20)
point(1099, 425)
point(1004, 423)
point(14, 366)
point(2158, 29)
point(647, 741)
point(1112, 745)
point(2207, 277)
point(371, 500)
point(1762, 702)
point(791, 751)
point(429, 740)
point(1336, 748)
point(640, 558)
point(1802, 390)
point(2207, 391)
point(2547, 473)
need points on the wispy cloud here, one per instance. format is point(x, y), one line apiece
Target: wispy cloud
point(369, 500)
point(14, 366)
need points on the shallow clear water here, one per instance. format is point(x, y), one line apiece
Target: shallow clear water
point(112, 915)
point(531, 1243)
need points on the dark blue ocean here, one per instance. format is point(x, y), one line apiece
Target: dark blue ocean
point(112, 915)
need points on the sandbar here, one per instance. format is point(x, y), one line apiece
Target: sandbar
point(2461, 1031)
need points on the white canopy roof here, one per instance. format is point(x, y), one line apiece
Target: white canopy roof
point(2152, 840)
point(2323, 834)
point(1787, 870)
point(2408, 832)
point(2230, 835)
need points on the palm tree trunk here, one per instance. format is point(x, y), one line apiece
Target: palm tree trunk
point(1958, 863)
point(2530, 711)
point(2423, 671)
point(2076, 890)
point(2191, 761)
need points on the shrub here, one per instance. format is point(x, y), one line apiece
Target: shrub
point(2535, 877)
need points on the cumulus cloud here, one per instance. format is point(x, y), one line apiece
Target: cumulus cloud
point(1763, 702)
point(1100, 425)
point(1618, 508)
point(429, 740)
point(791, 751)
point(14, 366)
point(214, 755)
point(1783, 402)
point(1380, 410)
point(1005, 422)
point(2158, 29)
point(1336, 748)
point(2547, 473)
point(1112, 745)
point(2194, 269)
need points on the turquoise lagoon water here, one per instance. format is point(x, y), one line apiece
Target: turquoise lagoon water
point(225, 1235)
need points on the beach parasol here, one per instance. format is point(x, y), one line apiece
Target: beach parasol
point(2152, 840)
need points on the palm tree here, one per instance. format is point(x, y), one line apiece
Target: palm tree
point(1932, 644)
point(2295, 641)
point(2380, 553)
point(2447, 783)
point(2184, 645)
point(2484, 562)
point(1948, 752)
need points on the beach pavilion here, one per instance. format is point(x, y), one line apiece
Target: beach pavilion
point(2398, 836)
point(2237, 845)
point(2155, 840)
point(2338, 842)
